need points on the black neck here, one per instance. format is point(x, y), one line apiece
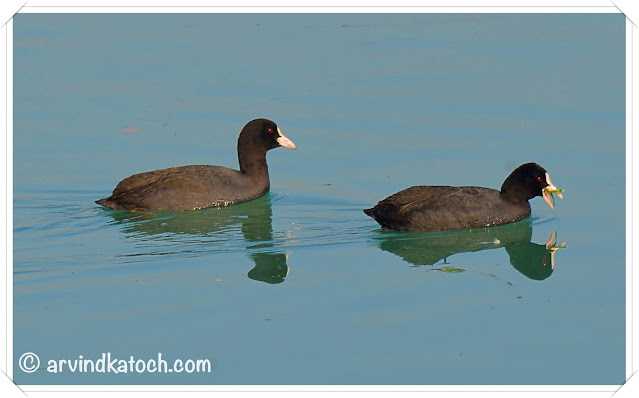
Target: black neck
point(254, 167)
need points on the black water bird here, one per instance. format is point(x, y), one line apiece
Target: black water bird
point(439, 208)
point(202, 186)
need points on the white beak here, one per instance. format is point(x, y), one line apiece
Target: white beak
point(548, 196)
point(283, 141)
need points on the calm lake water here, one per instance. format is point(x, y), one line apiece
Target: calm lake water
point(300, 287)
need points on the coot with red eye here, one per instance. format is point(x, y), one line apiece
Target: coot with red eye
point(198, 187)
point(439, 208)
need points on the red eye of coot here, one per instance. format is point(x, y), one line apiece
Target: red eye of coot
point(539, 179)
point(270, 130)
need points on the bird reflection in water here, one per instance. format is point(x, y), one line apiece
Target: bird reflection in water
point(208, 231)
point(535, 261)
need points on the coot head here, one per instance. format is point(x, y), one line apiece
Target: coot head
point(256, 138)
point(526, 182)
point(263, 134)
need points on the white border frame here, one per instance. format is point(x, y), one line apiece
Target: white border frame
point(6, 175)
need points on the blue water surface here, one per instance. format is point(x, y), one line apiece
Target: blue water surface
point(300, 287)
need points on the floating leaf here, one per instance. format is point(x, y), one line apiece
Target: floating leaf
point(451, 270)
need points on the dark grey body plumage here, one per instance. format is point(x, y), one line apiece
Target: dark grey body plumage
point(186, 188)
point(439, 208)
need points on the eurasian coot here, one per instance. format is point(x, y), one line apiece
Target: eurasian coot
point(439, 208)
point(197, 187)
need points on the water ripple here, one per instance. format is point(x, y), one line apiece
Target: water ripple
point(78, 233)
